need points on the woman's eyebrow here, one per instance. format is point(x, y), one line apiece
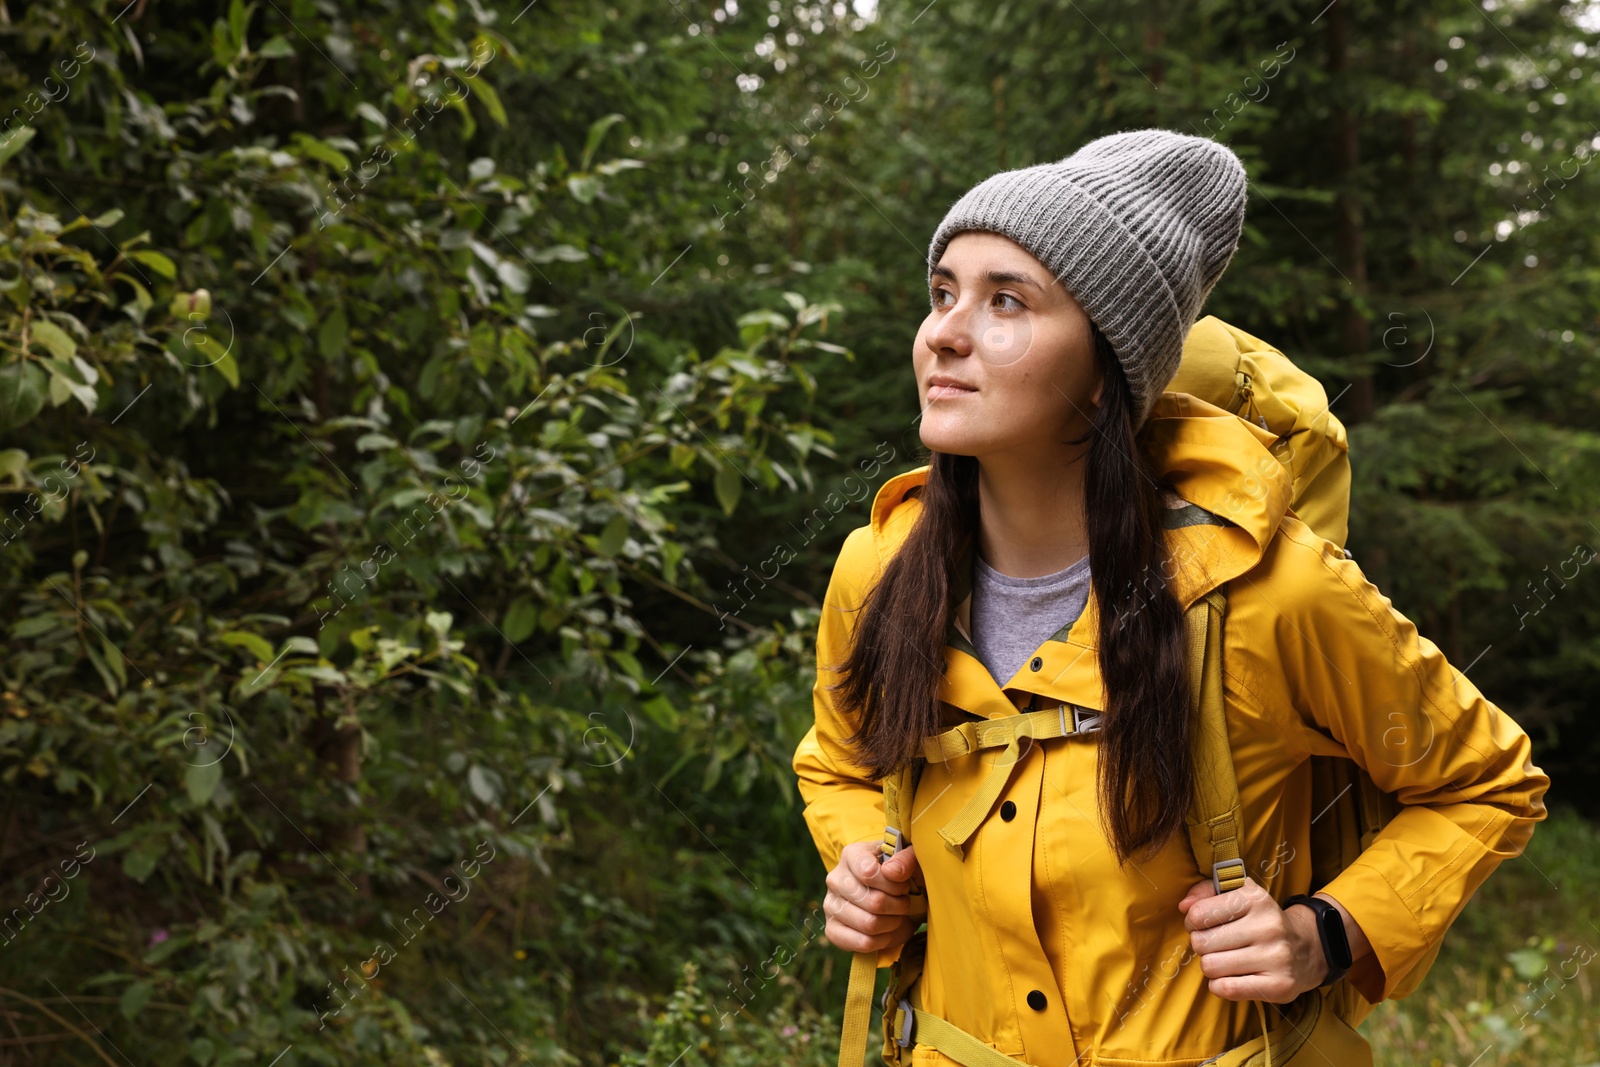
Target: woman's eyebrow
point(993, 277)
point(1001, 277)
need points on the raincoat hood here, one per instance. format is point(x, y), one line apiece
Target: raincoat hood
point(1212, 458)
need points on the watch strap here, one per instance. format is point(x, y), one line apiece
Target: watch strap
point(1319, 906)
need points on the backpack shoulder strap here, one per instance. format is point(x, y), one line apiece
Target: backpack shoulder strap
point(1214, 820)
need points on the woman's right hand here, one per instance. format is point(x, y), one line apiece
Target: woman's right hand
point(869, 904)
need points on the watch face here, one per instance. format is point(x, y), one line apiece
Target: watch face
point(1333, 936)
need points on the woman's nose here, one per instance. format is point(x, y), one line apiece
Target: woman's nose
point(952, 333)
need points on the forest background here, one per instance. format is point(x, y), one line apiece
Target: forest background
point(426, 431)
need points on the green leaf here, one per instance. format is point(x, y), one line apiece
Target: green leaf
point(558, 254)
point(519, 620)
point(484, 784)
point(275, 48)
point(729, 484)
point(141, 859)
point(597, 133)
point(15, 142)
point(68, 380)
point(239, 19)
point(157, 262)
point(13, 461)
point(258, 645)
point(228, 367)
point(114, 660)
point(98, 662)
point(200, 780)
point(491, 100)
point(332, 334)
point(37, 625)
point(615, 533)
point(373, 442)
point(53, 337)
point(108, 218)
point(135, 997)
point(661, 712)
point(22, 389)
point(1529, 963)
point(322, 151)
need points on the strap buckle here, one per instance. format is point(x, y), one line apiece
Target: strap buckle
point(1216, 872)
point(898, 841)
point(908, 1025)
point(1085, 719)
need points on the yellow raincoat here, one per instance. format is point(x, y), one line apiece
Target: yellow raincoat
point(1038, 942)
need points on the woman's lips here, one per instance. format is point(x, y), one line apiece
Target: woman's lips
point(947, 388)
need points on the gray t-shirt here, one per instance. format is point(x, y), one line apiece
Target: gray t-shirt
point(1012, 617)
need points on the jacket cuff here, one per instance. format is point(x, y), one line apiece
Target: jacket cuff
point(1397, 938)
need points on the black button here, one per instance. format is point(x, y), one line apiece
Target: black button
point(1037, 663)
point(1036, 1000)
point(1008, 811)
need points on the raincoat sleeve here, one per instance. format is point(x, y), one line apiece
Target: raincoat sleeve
point(1358, 673)
point(843, 805)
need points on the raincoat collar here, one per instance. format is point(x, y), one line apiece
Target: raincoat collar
point(1230, 494)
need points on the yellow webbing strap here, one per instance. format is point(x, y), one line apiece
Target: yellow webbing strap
point(1214, 817)
point(858, 1008)
point(1008, 730)
point(953, 1041)
point(897, 788)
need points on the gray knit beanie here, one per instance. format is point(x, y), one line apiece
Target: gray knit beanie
point(1137, 225)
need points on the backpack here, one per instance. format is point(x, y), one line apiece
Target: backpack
point(1244, 375)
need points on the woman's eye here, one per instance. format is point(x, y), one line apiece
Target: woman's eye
point(1015, 305)
point(936, 297)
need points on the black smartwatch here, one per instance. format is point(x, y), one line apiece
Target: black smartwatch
point(1330, 926)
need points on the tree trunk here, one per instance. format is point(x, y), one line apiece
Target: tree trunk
point(338, 746)
point(1350, 251)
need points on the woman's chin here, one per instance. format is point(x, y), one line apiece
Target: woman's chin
point(954, 441)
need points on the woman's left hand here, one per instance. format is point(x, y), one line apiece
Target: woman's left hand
point(1249, 947)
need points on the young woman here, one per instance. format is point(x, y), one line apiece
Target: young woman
point(1070, 512)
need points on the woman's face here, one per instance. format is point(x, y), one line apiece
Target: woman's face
point(1005, 359)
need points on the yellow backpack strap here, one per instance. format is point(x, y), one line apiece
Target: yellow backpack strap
point(858, 1009)
point(899, 790)
point(1214, 821)
point(954, 1042)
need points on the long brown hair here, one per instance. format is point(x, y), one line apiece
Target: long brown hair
point(896, 661)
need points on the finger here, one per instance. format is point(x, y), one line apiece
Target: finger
point(1226, 907)
point(875, 900)
point(1250, 960)
point(902, 866)
point(1273, 990)
point(1231, 935)
point(864, 864)
point(842, 935)
point(868, 922)
point(1198, 891)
